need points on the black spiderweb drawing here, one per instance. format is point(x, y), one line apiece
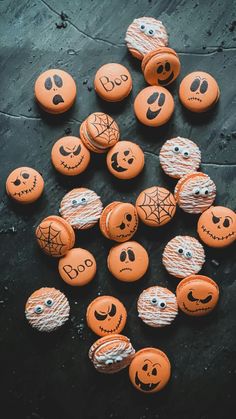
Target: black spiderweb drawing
point(50, 240)
point(158, 206)
point(106, 128)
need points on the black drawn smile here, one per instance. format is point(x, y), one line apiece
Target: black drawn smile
point(143, 386)
point(163, 82)
point(25, 191)
point(215, 237)
point(112, 330)
point(72, 167)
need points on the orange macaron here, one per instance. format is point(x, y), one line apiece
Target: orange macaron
point(99, 132)
point(55, 91)
point(113, 82)
point(217, 226)
point(78, 267)
point(119, 221)
point(161, 66)
point(55, 236)
point(125, 160)
point(25, 185)
point(69, 156)
point(154, 106)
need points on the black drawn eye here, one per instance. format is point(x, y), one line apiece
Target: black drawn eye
point(128, 217)
point(207, 299)
point(152, 98)
point(160, 69)
point(195, 85)
point(161, 100)
point(25, 175)
point(122, 226)
point(126, 152)
point(145, 367)
point(130, 161)
point(58, 80)
point(191, 297)
point(215, 219)
point(99, 316)
point(77, 151)
point(123, 256)
point(226, 222)
point(17, 182)
point(48, 83)
point(167, 66)
point(204, 86)
point(131, 255)
point(112, 312)
point(154, 371)
point(63, 151)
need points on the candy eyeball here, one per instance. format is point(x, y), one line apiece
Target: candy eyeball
point(150, 31)
point(78, 201)
point(162, 304)
point(204, 192)
point(196, 191)
point(154, 300)
point(109, 362)
point(188, 254)
point(38, 309)
point(176, 149)
point(49, 302)
point(180, 250)
point(118, 359)
point(142, 27)
point(185, 154)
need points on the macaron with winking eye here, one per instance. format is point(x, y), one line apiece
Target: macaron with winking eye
point(217, 226)
point(119, 221)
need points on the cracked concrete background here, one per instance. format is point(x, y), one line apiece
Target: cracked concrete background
point(50, 376)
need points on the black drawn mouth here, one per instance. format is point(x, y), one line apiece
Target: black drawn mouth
point(197, 309)
point(125, 269)
point(57, 99)
point(143, 386)
point(152, 114)
point(115, 165)
point(204, 229)
point(72, 167)
point(165, 81)
point(112, 330)
point(195, 98)
point(26, 191)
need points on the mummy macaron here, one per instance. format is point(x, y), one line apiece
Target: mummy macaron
point(111, 353)
point(24, 185)
point(217, 226)
point(106, 315)
point(149, 370)
point(55, 236)
point(157, 306)
point(199, 91)
point(47, 309)
point(195, 192)
point(197, 295)
point(145, 34)
point(81, 208)
point(78, 267)
point(128, 261)
point(156, 206)
point(161, 66)
point(179, 156)
point(99, 132)
point(69, 156)
point(119, 221)
point(125, 160)
point(183, 256)
point(154, 106)
point(113, 82)
point(55, 91)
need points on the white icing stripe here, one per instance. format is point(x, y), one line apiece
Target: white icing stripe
point(151, 313)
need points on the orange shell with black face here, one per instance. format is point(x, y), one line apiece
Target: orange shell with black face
point(161, 66)
point(69, 156)
point(217, 226)
point(25, 185)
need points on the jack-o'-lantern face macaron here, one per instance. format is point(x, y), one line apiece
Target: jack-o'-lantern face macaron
point(150, 370)
point(47, 309)
point(128, 261)
point(157, 306)
point(154, 106)
point(183, 256)
point(25, 185)
point(55, 91)
point(113, 82)
point(55, 236)
point(119, 221)
point(179, 156)
point(99, 132)
point(125, 160)
point(161, 67)
point(199, 91)
point(217, 227)
point(78, 267)
point(195, 192)
point(106, 315)
point(197, 295)
point(69, 156)
point(156, 206)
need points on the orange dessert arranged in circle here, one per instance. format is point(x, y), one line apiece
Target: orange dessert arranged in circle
point(25, 185)
point(113, 82)
point(119, 221)
point(125, 160)
point(161, 66)
point(69, 156)
point(78, 267)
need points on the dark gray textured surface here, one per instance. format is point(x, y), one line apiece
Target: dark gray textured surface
point(50, 376)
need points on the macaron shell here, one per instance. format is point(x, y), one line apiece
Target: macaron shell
point(69, 156)
point(217, 226)
point(122, 222)
point(55, 91)
point(55, 236)
point(199, 91)
point(197, 295)
point(78, 267)
point(161, 67)
point(103, 219)
point(154, 106)
point(102, 130)
point(106, 315)
point(125, 160)
point(150, 370)
point(113, 82)
point(25, 185)
point(85, 138)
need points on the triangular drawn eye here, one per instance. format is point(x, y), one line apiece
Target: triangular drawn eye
point(48, 83)
point(226, 222)
point(77, 151)
point(17, 182)
point(154, 371)
point(145, 367)
point(215, 219)
point(64, 152)
point(112, 312)
point(58, 80)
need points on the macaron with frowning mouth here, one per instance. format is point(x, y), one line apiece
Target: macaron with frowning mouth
point(24, 185)
point(161, 66)
point(69, 156)
point(119, 221)
point(99, 132)
point(195, 192)
point(113, 82)
point(125, 160)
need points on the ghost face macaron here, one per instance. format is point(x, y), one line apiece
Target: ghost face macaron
point(199, 91)
point(154, 106)
point(195, 192)
point(161, 66)
point(24, 185)
point(157, 306)
point(78, 267)
point(150, 370)
point(128, 261)
point(99, 132)
point(47, 309)
point(197, 295)
point(119, 221)
point(125, 160)
point(106, 315)
point(113, 82)
point(69, 156)
point(55, 91)
point(217, 226)
point(145, 34)
point(179, 156)
point(183, 256)
point(111, 353)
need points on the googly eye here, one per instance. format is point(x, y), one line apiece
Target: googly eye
point(188, 254)
point(185, 154)
point(150, 31)
point(204, 191)
point(118, 359)
point(49, 302)
point(142, 27)
point(154, 300)
point(176, 149)
point(196, 191)
point(38, 309)
point(162, 304)
point(78, 201)
point(109, 361)
point(180, 250)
